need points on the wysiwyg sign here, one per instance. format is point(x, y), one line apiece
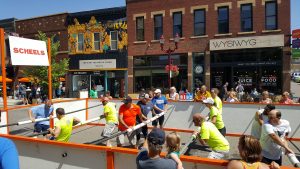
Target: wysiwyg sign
point(97, 64)
point(247, 42)
point(28, 52)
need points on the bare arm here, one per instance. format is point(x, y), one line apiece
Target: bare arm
point(31, 116)
point(234, 164)
point(165, 108)
point(158, 109)
point(258, 118)
point(76, 121)
point(278, 141)
point(122, 121)
point(55, 132)
point(177, 160)
point(214, 119)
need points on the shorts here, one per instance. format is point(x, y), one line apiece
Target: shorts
point(160, 120)
point(108, 129)
point(22, 96)
point(130, 141)
point(223, 131)
point(218, 154)
point(269, 161)
point(38, 128)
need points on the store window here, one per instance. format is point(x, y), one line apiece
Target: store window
point(271, 15)
point(114, 40)
point(97, 41)
point(198, 69)
point(199, 22)
point(80, 42)
point(223, 20)
point(158, 26)
point(140, 29)
point(246, 18)
point(177, 23)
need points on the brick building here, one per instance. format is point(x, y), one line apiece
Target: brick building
point(220, 41)
point(51, 25)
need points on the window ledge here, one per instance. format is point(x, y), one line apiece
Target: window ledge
point(182, 38)
point(246, 33)
point(139, 42)
point(154, 41)
point(225, 34)
point(197, 37)
point(270, 31)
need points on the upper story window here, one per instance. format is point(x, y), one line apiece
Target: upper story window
point(223, 20)
point(158, 26)
point(271, 15)
point(246, 18)
point(199, 22)
point(97, 41)
point(114, 40)
point(140, 29)
point(80, 42)
point(177, 23)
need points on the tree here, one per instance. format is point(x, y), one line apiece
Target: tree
point(39, 74)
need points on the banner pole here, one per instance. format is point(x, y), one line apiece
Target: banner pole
point(49, 70)
point(2, 46)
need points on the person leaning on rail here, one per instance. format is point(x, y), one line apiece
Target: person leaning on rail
point(111, 118)
point(209, 134)
point(41, 111)
point(63, 128)
point(250, 152)
point(149, 155)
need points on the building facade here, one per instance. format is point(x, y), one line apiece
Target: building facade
point(97, 43)
point(220, 41)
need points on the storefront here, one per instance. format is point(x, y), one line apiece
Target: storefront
point(256, 62)
point(150, 72)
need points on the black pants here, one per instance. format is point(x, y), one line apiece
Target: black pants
point(269, 161)
point(144, 131)
point(223, 131)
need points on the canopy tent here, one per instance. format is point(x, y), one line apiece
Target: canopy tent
point(61, 79)
point(7, 80)
point(24, 80)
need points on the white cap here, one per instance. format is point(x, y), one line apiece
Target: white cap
point(209, 100)
point(157, 91)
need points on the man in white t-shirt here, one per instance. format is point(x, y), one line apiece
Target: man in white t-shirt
point(273, 136)
point(261, 117)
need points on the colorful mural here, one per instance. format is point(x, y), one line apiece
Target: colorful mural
point(97, 37)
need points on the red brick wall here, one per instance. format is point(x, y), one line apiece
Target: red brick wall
point(193, 45)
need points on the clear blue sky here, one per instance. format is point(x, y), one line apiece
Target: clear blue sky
point(22, 9)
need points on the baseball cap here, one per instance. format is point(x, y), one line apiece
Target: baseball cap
point(156, 136)
point(157, 91)
point(144, 96)
point(128, 99)
point(209, 100)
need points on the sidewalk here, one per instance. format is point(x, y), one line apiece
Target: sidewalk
point(11, 102)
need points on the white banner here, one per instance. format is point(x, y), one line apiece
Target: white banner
point(98, 64)
point(28, 52)
point(247, 42)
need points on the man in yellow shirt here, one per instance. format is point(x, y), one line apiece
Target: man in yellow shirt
point(215, 116)
point(202, 94)
point(63, 128)
point(111, 117)
point(209, 134)
point(217, 101)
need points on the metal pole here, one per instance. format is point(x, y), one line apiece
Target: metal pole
point(2, 46)
point(49, 71)
point(169, 60)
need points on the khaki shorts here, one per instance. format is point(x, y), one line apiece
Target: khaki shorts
point(108, 129)
point(127, 139)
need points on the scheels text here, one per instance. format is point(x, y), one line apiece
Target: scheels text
point(29, 51)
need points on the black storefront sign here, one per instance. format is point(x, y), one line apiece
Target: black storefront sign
point(88, 73)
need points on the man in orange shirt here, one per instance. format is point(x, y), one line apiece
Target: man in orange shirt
point(127, 119)
point(202, 94)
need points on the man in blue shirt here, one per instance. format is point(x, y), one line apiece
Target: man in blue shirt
point(160, 105)
point(41, 111)
point(9, 158)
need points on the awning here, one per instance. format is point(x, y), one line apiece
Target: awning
point(61, 79)
point(24, 79)
point(7, 80)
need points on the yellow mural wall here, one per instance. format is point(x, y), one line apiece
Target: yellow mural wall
point(95, 37)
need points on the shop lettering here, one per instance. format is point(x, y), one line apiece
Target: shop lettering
point(29, 51)
point(234, 43)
